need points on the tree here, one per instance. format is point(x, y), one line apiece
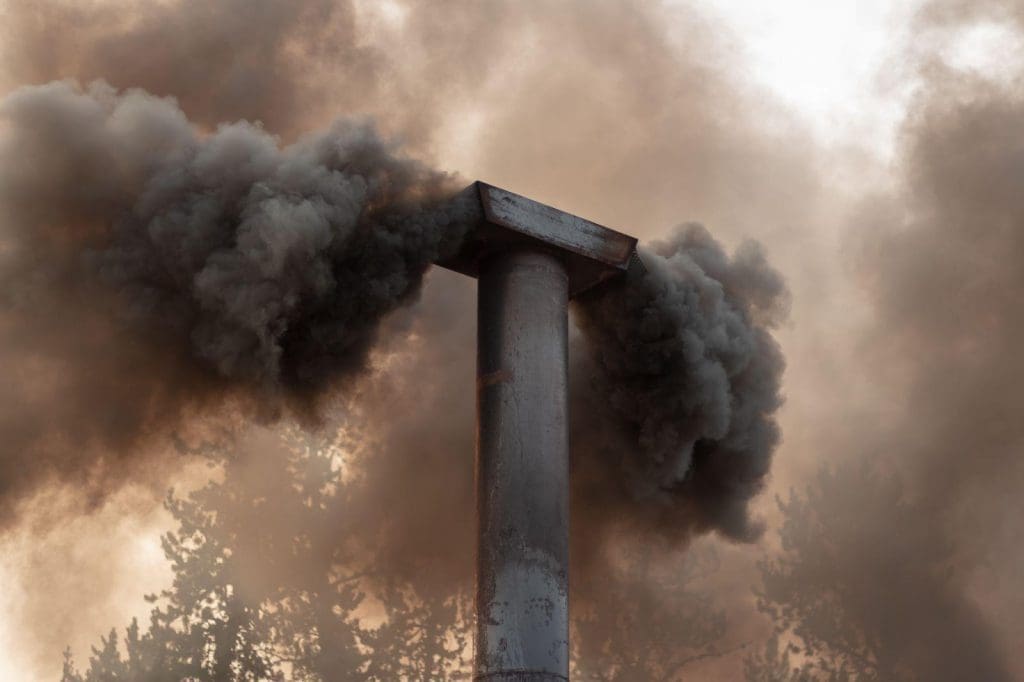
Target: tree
point(646, 621)
point(272, 583)
point(265, 589)
point(866, 587)
point(69, 673)
point(773, 664)
point(421, 638)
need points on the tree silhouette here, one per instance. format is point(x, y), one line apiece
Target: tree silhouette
point(865, 587)
point(421, 638)
point(266, 588)
point(773, 664)
point(272, 583)
point(645, 621)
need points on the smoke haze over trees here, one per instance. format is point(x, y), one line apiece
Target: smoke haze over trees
point(273, 581)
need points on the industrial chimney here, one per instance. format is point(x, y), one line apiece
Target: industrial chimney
point(530, 259)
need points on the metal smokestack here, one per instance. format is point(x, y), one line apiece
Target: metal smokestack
point(530, 259)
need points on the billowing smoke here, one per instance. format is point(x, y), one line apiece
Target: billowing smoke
point(678, 390)
point(454, 74)
point(224, 61)
point(163, 271)
point(942, 264)
point(238, 268)
point(906, 547)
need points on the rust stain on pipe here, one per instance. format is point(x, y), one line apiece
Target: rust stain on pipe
point(492, 378)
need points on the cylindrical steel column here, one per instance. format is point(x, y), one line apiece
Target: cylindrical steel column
point(522, 469)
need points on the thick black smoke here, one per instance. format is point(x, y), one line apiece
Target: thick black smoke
point(684, 382)
point(159, 274)
point(471, 82)
point(229, 266)
point(150, 270)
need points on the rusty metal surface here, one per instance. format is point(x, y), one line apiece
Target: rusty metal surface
point(590, 252)
point(522, 469)
point(556, 228)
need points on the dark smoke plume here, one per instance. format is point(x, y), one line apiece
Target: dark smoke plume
point(943, 267)
point(910, 547)
point(684, 382)
point(675, 385)
point(698, 149)
point(159, 271)
point(236, 268)
point(254, 268)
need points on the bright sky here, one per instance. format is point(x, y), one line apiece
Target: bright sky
point(829, 60)
point(824, 59)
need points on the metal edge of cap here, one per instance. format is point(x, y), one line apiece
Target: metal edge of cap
point(594, 253)
point(552, 226)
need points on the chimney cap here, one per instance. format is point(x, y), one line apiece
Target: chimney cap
point(592, 253)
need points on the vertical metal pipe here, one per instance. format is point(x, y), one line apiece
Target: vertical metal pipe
point(522, 469)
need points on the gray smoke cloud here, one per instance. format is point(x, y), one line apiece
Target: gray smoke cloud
point(232, 269)
point(225, 265)
point(908, 544)
point(675, 382)
point(438, 67)
point(241, 269)
point(680, 384)
point(223, 61)
point(941, 262)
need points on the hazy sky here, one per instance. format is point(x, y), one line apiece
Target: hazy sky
point(831, 61)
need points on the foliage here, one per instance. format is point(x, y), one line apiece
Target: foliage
point(270, 583)
point(862, 587)
point(262, 591)
point(773, 664)
point(647, 622)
